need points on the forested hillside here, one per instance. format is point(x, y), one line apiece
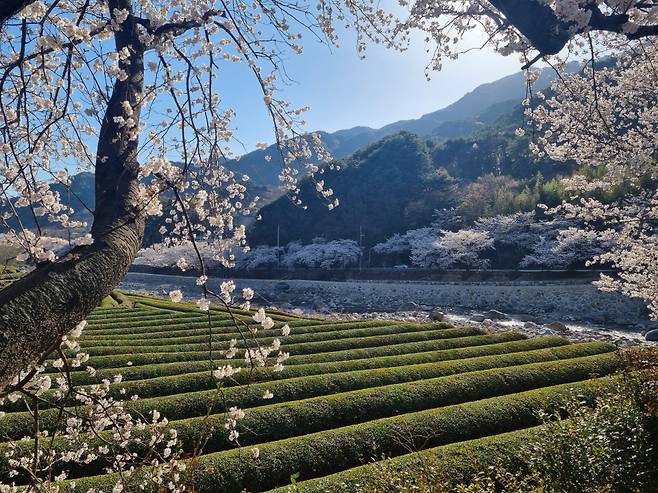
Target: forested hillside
point(397, 183)
point(466, 116)
point(394, 181)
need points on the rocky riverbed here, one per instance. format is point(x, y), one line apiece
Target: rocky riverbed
point(575, 332)
point(577, 311)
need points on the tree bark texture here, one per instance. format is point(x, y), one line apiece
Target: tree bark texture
point(37, 310)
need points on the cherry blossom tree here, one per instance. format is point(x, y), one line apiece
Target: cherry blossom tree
point(131, 90)
point(607, 121)
point(521, 26)
point(570, 248)
point(160, 255)
point(323, 254)
point(259, 257)
point(453, 249)
point(522, 229)
point(604, 118)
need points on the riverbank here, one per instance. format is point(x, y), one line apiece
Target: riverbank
point(586, 312)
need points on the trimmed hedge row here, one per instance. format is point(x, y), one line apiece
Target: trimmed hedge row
point(183, 306)
point(226, 332)
point(201, 359)
point(117, 361)
point(330, 451)
point(300, 417)
point(190, 325)
point(124, 315)
point(132, 315)
point(101, 314)
point(202, 380)
point(330, 362)
point(401, 368)
point(128, 325)
point(455, 463)
point(121, 298)
point(189, 307)
point(109, 302)
point(174, 407)
point(265, 337)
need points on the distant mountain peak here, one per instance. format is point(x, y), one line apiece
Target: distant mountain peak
point(467, 115)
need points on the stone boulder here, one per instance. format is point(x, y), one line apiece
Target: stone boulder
point(282, 286)
point(557, 326)
point(652, 335)
point(495, 315)
point(437, 316)
point(477, 318)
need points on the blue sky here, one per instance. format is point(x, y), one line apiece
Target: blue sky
point(343, 91)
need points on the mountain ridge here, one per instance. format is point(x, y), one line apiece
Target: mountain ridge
point(473, 111)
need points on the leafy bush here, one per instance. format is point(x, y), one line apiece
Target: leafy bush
point(599, 449)
point(608, 448)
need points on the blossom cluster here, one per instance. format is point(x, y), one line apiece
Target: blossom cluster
point(94, 428)
point(606, 120)
point(318, 254)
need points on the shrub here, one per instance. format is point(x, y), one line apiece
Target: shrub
point(606, 448)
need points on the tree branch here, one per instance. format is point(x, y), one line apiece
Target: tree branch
point(37, 310)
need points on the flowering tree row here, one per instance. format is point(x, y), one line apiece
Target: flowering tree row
point(319, 254)
point(547, 244)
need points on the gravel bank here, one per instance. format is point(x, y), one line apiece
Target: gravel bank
point(582, 312)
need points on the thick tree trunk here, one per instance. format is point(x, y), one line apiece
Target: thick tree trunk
point(9, 8)
point(37, 310)
point(537, 22)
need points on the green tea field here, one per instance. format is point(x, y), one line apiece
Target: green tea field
point(350, 393)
